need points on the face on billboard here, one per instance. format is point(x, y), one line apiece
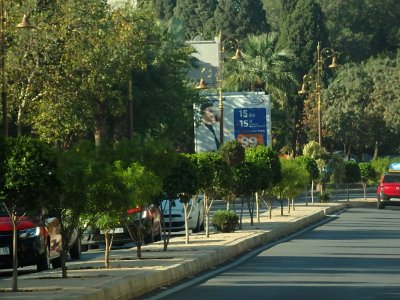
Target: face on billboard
point(207, 128)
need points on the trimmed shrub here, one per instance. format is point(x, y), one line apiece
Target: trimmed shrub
point(225, 221)
point(324, 197)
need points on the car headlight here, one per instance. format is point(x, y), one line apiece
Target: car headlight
point(28, 233)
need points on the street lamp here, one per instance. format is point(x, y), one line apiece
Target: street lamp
point(202, 84)
point(322, 54)
point(23, 25)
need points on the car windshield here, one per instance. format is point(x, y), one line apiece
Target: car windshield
point(391, 178)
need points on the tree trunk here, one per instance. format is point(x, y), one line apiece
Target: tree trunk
point(185, 209)
point(257, 208)
point(364, 185)
point(241, 213)
point(376, 150)
point(312, 191)
point(15, 254)
point(250, 206)
point(100, 133)
point(107, 250)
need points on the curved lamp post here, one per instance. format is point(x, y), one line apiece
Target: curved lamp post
point(23, 25)
point(322, 54)
point(202, 84)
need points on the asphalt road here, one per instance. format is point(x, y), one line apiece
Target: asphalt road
point(354, 256)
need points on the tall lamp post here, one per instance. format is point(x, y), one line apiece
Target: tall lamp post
point(322, 54)
point(202, 84)
point(23, 25)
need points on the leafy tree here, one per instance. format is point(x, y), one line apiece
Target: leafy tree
point(183, 182)
point(29, 170)
point(232, 152)
point(65, 97)
point(367, 174)
point(263, 67)
point(197, 17)
point(312, 169)
point(300, 32)
point(345, 113)
point(163, 99)
point(366, 27)
point(364, 93)
point(234, 18)
point(277, 11)
point(245, 183)
point(294, 179)
point(352, 174)
point(71, 206)
point(164, 8)
point(157, 155)
point(383, 71)
point(144, 186)
point(214, 176)
point(333, 171)
point(263, 159)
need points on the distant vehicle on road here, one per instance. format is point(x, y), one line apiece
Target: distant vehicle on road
point(38, 244)
point(389, 187)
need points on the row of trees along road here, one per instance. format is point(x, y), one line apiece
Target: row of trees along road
point(95, 186)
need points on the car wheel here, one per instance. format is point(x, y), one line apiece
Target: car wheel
point(76, 250)
point(197, 228)
point(157, 237)
point(84, 248)
point(56, 262)
point(379, 204)
point(44, 260)
point(94, 246)
point(202, 226)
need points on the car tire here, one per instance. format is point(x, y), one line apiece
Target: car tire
point(197, 228)
point(76, 251)
point(202, 226)
point(94, 246)
point(44, 260)
point(157, 237)
point(56, 262)
point(379, 204)
point(84, 248)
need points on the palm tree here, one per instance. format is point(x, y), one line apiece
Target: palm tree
point(262, 67)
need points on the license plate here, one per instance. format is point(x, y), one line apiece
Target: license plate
point(117, 230)
point(4, 251)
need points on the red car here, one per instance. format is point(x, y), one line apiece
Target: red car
point(388, 189)
point(37, 245)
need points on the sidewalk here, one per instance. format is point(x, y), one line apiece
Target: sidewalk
point(129, 278)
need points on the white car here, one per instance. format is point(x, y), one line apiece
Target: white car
point(177, 217)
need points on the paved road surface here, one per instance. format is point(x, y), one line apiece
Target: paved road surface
point(355, 256)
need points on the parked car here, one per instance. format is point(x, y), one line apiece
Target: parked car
point(389, 187)
point(87, 239)
point(150, 219)
point(37, 244)
point(177, 216)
